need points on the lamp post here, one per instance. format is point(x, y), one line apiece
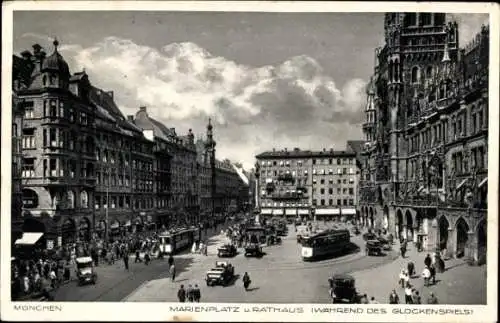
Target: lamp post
point(257, 206)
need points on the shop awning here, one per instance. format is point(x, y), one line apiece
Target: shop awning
point(348, 211)
point(327, 211)
point(462, 183)
point(29, 238)
point(483, 182)
point(266, 211)
point(303, 212)
point(278, 212)
point(290, 211)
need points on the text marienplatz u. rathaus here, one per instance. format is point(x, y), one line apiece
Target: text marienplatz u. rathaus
point(80, 168)
point(424, 174)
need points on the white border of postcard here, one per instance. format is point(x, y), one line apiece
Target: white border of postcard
point(105, 311)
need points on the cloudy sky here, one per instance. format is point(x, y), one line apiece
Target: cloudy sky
point(266, 79)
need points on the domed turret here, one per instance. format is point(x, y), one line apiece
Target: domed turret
point(56, 63)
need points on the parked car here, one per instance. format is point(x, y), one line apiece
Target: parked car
point(221, 274)
point(369, 236)
point(227, 250)
point(85, 271)
point(343, 289)
point(253, 249)
point(373, 247)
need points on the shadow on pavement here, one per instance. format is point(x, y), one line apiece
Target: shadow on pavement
point(233, 280)
point(252, 289)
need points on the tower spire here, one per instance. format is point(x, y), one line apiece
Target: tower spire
point(56, 43)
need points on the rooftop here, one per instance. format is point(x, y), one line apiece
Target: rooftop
point(297, 153)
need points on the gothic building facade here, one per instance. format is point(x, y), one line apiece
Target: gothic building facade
point(424, 163)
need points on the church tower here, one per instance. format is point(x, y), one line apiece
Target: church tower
point(210, 153)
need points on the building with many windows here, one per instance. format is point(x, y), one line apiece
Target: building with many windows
point(424, 172)
point(307, 183)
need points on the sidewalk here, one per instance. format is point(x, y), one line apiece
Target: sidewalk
point(459, 284)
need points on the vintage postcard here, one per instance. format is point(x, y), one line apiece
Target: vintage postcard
point(249, 161)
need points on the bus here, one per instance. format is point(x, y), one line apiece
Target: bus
point(325, 243)
point(177, 240)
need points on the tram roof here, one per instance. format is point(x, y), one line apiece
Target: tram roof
point(328, 232)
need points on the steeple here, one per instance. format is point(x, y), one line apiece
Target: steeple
point(446, 54)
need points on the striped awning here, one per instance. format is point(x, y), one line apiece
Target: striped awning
point(348, 211)
point(266, 211)
point(327, 211)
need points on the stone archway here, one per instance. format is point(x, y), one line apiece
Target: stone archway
point(84, 229)
point(385, 222)
point(68, 231)
point(444, 226)
point(400, 234)
point(410, 232)
point(482, 242)
point(462, 236)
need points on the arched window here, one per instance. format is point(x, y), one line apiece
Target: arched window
point(44, 80)
point(414, 74)
point(429, 72)
point(71, 200)
point(84, 200)
point(52, 79)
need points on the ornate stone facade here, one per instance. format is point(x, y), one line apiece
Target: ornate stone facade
point(424, 169)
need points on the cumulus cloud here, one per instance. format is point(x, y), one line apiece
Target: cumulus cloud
point(292, 104)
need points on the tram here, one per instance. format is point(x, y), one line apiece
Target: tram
point(177, 240)
point(324, 244)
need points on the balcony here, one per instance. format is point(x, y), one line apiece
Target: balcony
point(288, 196)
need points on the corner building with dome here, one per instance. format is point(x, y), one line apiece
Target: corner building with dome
point(425, 160)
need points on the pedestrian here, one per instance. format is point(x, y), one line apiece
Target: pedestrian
point(408, 294)
point(147, 258)
point(196, 293)
point(428, 260)
point(170, 260)
point(181, 294)
point(190, 294)
point(432, 299)
point(373, 301)
point(403, 249)
point(172, 272)
point(393, 297)
point(416, 297)
point(364, 299)
point(426, 274)
point(125, 260)
point(404, 278)
point(432, 270)
point(246, 281)
point(137, 256)
point(411, 269)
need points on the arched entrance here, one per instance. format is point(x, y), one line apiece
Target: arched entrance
point(399, 225)
point(409, 226)
point(68, 230)
point(84, 230)
point(33, 225)
point(371, 219)
point(482, 241)
point(385, 223)
point(444, 225)
point(462, 232)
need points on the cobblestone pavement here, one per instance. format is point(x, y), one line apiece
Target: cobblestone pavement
point(114, 282)
point(460, 284)
point(279, 277)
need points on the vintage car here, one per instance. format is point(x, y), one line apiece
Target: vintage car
point(386, 243)
point(85, 271)
point(227, 250)
point(369, 236)
point(373, 247)
point(221, 274)
point(253, 249)
point(342, 289)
